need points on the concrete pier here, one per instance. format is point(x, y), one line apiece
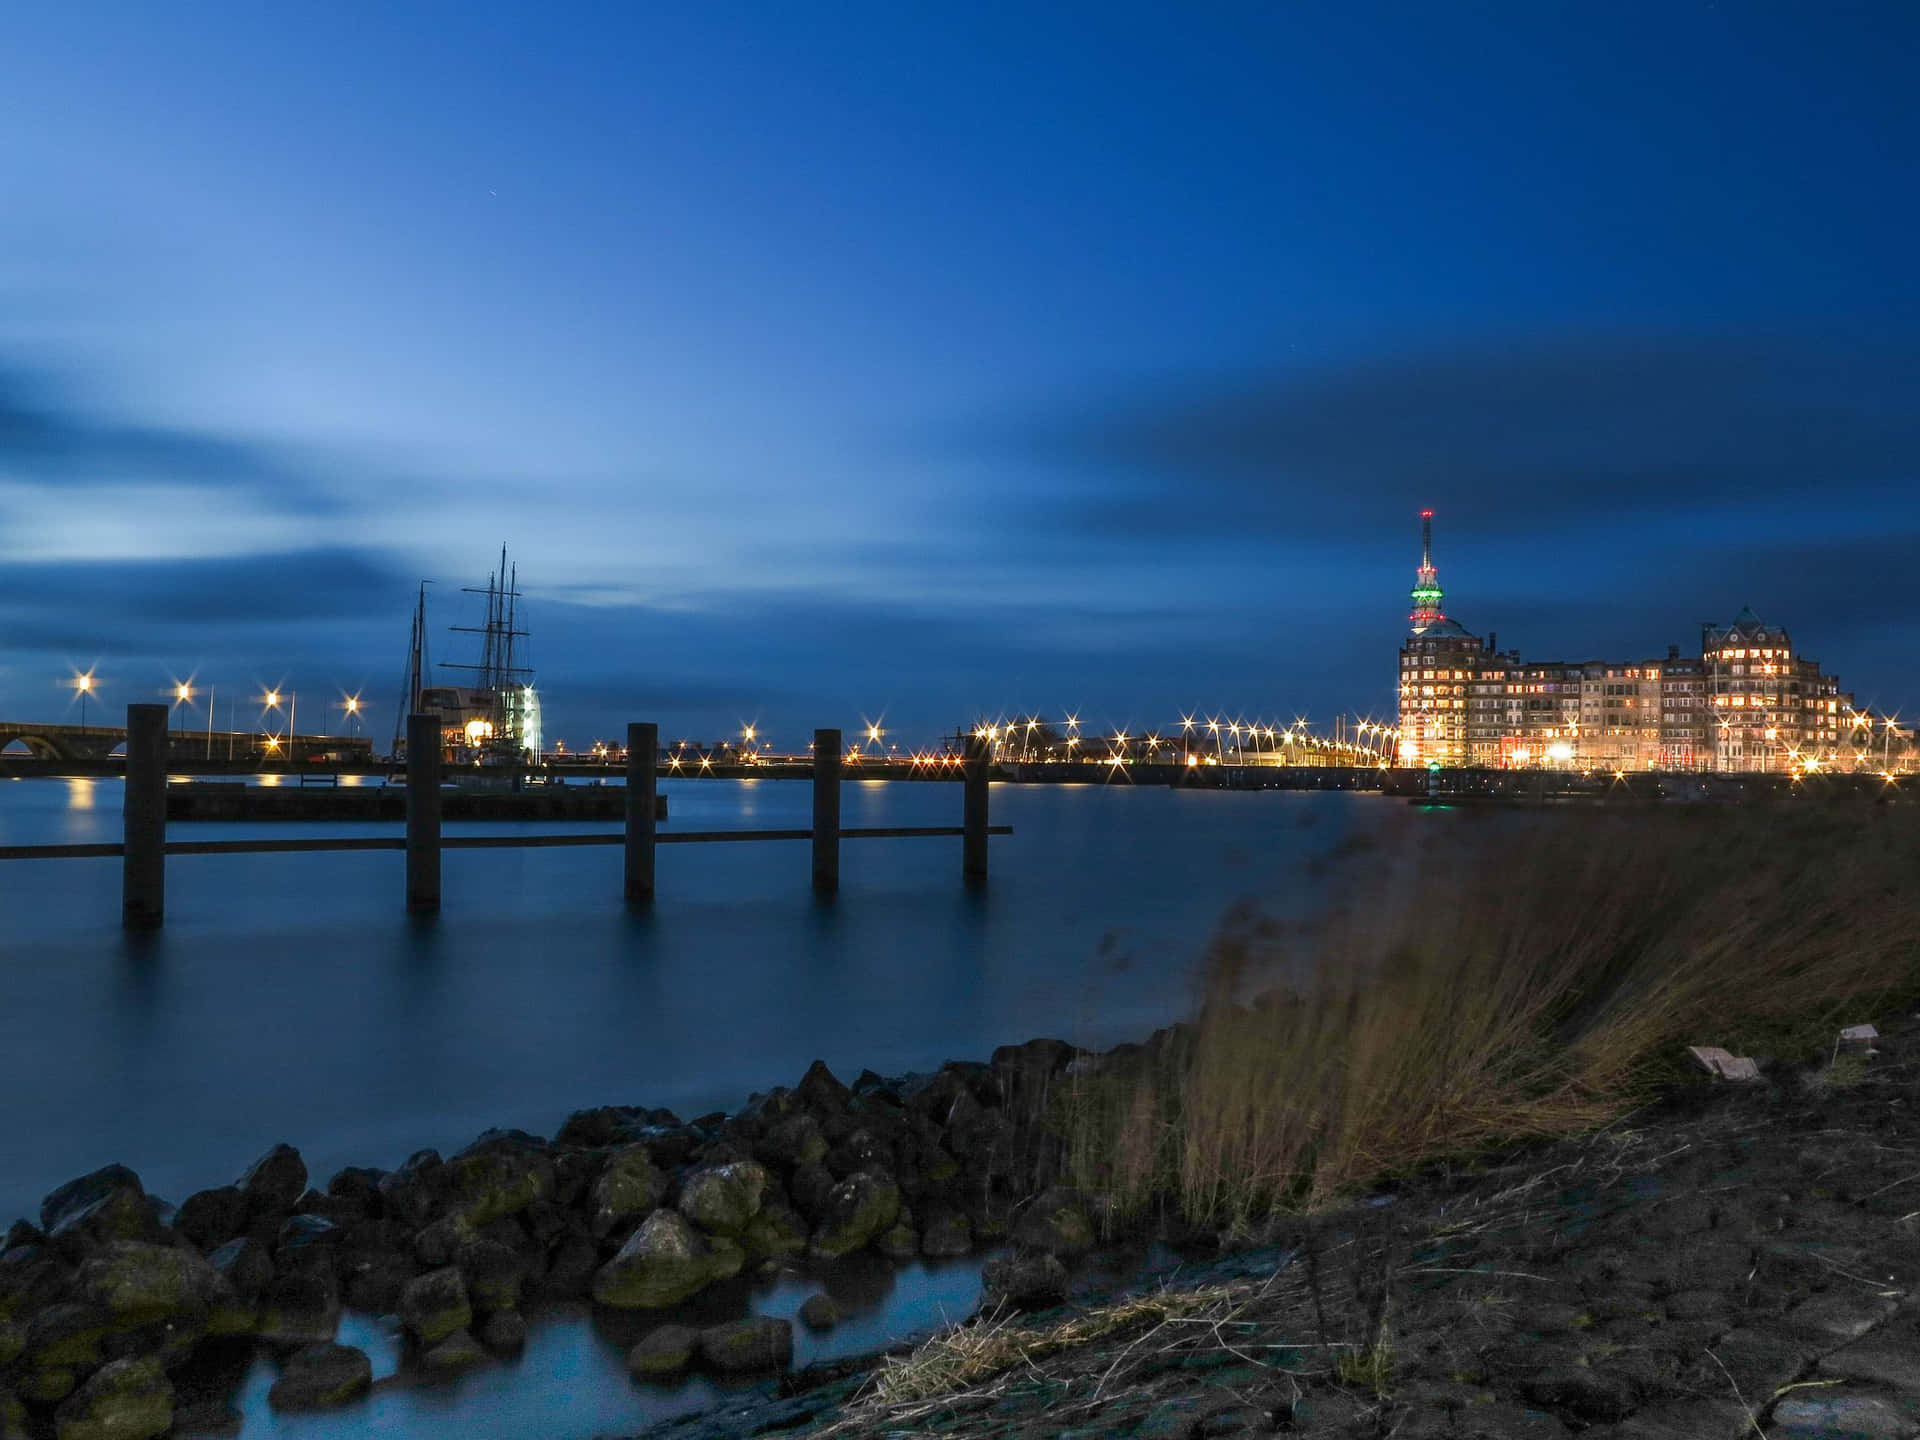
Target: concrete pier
point(973, 815)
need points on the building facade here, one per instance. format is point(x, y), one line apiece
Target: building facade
point(1747, 702)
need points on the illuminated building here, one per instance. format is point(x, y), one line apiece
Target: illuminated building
point(1747, 702)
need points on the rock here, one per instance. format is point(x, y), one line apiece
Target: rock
point(31, 1277)
point(44, 1387)
point(129, 1399)
point(372, 1280)
point(627, 1187)
point(946, 1234)
point(493, 1275)
point(1838, 1417)
point(665, 1351)
point(210, 1218)
point(898, 1243)
point(756, 1343)
point(721, 1199)
point(109, 1204)
point(818, 1312)
point(500, 1174)
point(457, 1352)
point(434, 1305)
point(1591, 1394)
point(810, 1186)
point(793, 1141)
point(205, 1418)
point(13, 1341)
point(275, 1181)
point(570, 1273)
point(245, 1264)
point(412, 1193)
point(775, 1233)
point(299, 1309)
point(662, 1263)
point(137, 1284)
point(1023, 1281)
point(819, 1091)
point(1055, 1223)
point(856, 1210)
point(66, 1335)
point(441, 1242)
point(13, 1417)
point(505, 1332)
point(359, 1185)
point(321, 1377)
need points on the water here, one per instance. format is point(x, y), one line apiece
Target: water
point(290, 998)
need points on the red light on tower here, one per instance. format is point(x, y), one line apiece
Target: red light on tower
point(1426, 514)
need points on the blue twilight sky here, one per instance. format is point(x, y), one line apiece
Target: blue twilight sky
point(825, 361)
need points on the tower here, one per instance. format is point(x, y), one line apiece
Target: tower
point(1436, 660)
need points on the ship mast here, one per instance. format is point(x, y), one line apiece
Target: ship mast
point(500, 676)
point(417, 667)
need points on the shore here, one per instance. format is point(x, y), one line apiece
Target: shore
point(1740, 1259)
point(1737, 1254)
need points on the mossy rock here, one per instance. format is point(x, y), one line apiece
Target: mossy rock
point(665, 1351)
point(129, 1399)
point(664, 1262)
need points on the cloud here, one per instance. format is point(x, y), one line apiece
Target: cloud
point(48, 441)
point(1502, 438)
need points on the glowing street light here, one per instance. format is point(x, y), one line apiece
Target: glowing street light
point(84, 684)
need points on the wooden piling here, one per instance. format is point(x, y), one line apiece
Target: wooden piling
point(973, 817)
point(643, 783)
point(826, 811)
point(143, 865)
point(423, 813)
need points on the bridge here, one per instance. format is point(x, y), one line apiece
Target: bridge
point(97, 744)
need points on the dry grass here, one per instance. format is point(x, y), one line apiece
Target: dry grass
point(1497, 978)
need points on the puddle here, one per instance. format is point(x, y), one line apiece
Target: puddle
point(571, 1381)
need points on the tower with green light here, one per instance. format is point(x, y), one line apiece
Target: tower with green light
point(1437, 659)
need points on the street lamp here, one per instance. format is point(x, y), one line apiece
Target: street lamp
point(353, 714)
point(84, 684)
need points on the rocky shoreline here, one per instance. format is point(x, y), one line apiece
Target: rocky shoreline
point(110, 1292)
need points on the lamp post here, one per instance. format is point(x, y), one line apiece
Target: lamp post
point(268, 701)
point(182, 695)
point(84, 684)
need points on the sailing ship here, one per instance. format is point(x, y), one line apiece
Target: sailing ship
point(495, 720)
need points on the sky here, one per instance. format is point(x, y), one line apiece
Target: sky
point(825, 365)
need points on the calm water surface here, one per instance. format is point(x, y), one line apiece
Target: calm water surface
point(290, 998)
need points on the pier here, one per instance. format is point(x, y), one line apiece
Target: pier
point(144, 848)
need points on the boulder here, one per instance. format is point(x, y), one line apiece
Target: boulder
point(818, 1312)
point(204, 1418)
point(66, 1336)
point(457, 1352)
point(359, 1186)
point(45, 1387)
point(245, 1264)
point(307, 1242)
point(810, 1186)
point(210, 1218)
point(819, 1091)
point(435, 1305)
point(756, 1343)
point(411, 1194)
point(627, 1187)
point(372, 1280)
point(299, 1309)
point(662, 1263)
point(1055, 1223)
point(504, 1332)
point(860, 1207)
point(135, 1283)
point(500, 1174)
point(442, 1241)
point(899, 1243)
point(275, 1181)
point(129, 1399)
point(721, 1199)
point(665, 1351)
point(775, 1233)
point(795, 1140)
point(570, 1270)
point(945, 1235)
point(32, 1277)
point(493, 1274)
point(1023, 1281)
point(321, 1377)
point(13, 1341)
point(109, 1204)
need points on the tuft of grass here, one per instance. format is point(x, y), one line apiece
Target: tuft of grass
point(1490, 979)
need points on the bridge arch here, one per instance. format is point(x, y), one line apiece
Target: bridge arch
point(40, 747)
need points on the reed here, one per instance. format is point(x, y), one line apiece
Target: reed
point(1525, 976)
